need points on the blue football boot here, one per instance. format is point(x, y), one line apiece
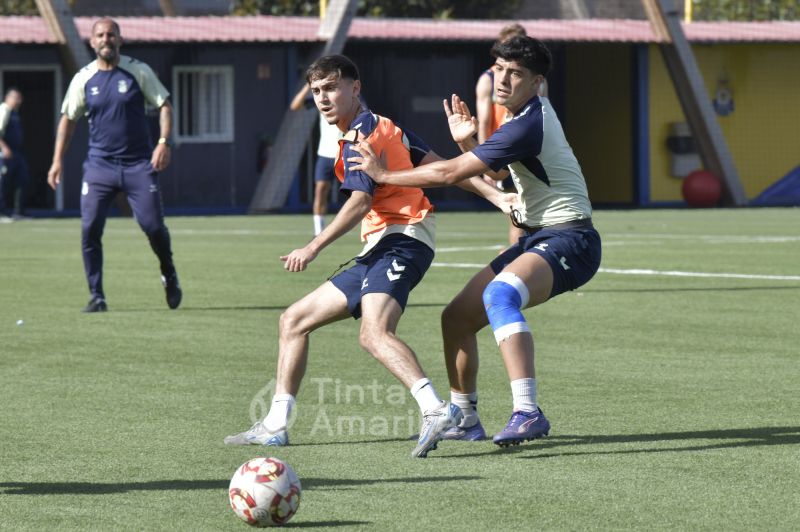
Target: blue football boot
point(523, 426)
point(473, 433)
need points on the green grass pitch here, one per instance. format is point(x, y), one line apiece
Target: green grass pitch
point(673, 398)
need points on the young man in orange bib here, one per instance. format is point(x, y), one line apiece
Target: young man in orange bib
point(398, 228)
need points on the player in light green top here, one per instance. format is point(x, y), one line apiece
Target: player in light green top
point(560, 250)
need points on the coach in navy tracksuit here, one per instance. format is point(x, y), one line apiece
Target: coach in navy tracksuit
point(113, 91)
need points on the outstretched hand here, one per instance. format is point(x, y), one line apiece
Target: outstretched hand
point(369, 162)
point(462, 124)
point(299, 259)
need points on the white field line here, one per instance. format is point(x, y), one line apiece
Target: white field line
point(639, 271)
point(39, 227)
point(639, 238)
point(458, 265)
point(720, 275)
point(470, 248)
point(134, 229)
point(237, 232)
point(714, 239)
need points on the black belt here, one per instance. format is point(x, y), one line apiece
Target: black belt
point(586, 223)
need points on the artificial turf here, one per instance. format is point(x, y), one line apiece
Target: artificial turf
point(673, 398)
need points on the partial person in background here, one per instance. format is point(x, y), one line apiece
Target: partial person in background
point(113, 91)
point(491, 115)
point(327, 150)
point(13, 167)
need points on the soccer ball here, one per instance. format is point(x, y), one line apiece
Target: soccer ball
point(264, 492)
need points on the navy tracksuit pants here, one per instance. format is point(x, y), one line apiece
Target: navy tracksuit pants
point(102, 180)
point(13, 178)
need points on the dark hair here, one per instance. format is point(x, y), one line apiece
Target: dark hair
point(527, 51)
point(339, 65)
point(512, 30)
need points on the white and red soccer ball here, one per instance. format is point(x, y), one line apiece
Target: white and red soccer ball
point(264, 492)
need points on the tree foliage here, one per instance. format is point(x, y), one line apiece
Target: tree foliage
point(741, 10)
point(745, 10)
point(446, 9)
point(18, 7)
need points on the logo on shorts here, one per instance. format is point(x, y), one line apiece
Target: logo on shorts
point(85, 188)
point(541, 247)
point(397, 268)
point(564, 264)
point(122, 86)
point(365, 284)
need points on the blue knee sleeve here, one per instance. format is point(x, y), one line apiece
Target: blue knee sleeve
point(503, 298)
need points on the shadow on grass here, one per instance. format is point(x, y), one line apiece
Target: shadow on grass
point(325, 524)
point(359, 442)
point(201, 309)
point(346, 483)
point(750, 437)
point(103, 488)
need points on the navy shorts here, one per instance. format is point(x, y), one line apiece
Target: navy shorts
point(573, 255)
point(323, 169)
point(394, 266)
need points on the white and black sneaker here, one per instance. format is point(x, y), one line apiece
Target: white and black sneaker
point(435, 423)
point(259, 434)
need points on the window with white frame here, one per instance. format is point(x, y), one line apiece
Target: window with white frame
point(203, 97)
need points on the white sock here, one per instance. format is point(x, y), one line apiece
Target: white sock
point(426, 395)
point(524, 393)
point(279, 410)
point(468, 403)
point(319, 223)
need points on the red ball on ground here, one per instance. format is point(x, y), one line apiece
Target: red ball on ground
point(701, 188)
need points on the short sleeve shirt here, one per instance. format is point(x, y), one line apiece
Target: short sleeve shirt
point(545, 171)
point(115, 103)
